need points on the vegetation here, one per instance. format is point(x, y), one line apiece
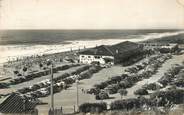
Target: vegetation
point(102, 95)
point(93, 107)
point(173, 76)
point(141, 92)
point(127, 104)
point(174, 96)
point(151, 86)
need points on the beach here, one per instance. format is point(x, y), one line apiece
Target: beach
point(12, 52)
point(15, 53)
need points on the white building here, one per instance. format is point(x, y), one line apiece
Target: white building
point(100, 55)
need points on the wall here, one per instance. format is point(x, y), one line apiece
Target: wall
point(88, 59)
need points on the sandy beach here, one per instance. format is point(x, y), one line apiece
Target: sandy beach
point(16, 53)
point(12, 52)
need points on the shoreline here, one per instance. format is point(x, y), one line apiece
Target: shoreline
point(12, 52)
point(42, 52)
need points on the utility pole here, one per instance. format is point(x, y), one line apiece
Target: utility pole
point(77, 83)
point(51, 88)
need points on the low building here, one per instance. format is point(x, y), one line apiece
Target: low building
point(17, 103)
point(109, 54)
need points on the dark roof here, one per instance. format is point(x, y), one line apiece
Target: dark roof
point(100, 50)
point(17, 103)
point(124, 47)
point(111, 50)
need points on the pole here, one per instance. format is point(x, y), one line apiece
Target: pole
point(77, 94)
point(52, 92)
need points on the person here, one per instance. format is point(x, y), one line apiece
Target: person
point(61, 109)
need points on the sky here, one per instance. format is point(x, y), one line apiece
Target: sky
point(91, 14)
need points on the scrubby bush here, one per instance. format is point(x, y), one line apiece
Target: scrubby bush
point(102, 95)
point(85, 75)
point(95, 69)
point(132, 103)
point(116, 79)
point(127, 104)
point(88, 73)
point(79, 70)
point(175, 96)
point(64, 67)
point(69, 80)
point(151, 86)
point(125, 84)
point(102, 85)
point(141, 92)
point(63, 76)
point(112, 89)
point(93, 107)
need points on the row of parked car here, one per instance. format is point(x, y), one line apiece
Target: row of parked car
point(146, 62)
point(128, 79)
point(42, 88)
point(21, 79)
point(46, 83)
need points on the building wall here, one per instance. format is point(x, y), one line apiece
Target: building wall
point(88, 59)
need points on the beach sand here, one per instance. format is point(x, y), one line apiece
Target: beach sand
point(17, 54)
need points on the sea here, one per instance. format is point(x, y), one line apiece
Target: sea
point(21, 43)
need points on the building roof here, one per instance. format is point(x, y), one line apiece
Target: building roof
point(123, 47)
point(17, 103)
point(113, 50)
point(100, 50)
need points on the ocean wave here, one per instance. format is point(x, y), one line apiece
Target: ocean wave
point(12, 52)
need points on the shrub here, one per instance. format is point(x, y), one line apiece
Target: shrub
point(102, 85)
point(112, 89)
point(125, 84)
point(93, 107)
point(64, 67)
point(176, 96)
point(151, 86)
point(69, 80)
point(141, 92)
point(79, 70)
point(127, 104)
point(63, 76)
point(116, 79)
point(85, 75)
point(102, 95)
